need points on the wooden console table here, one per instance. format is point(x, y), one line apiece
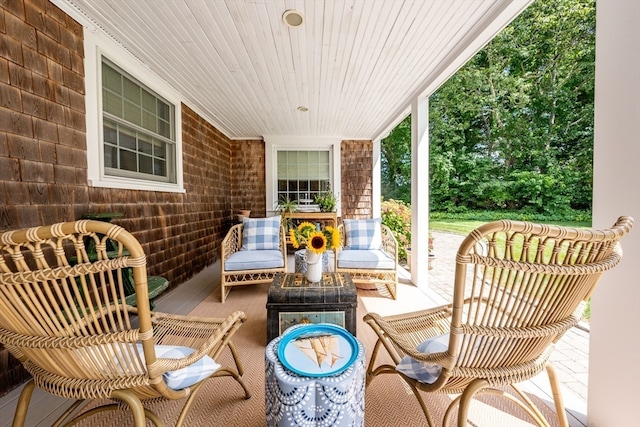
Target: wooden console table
point(326, 218)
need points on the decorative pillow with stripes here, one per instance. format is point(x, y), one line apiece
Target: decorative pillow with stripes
point(189, 375)
point(363, 233)
point(420, 371)
point(259, 234)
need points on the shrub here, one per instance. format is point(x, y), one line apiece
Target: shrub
point(397, 216)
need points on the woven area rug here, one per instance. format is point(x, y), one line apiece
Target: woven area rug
point(220, 401)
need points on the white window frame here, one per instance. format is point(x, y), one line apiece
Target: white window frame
point(98, 45)
point(273, 144)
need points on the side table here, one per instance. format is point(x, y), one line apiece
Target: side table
point(295, 400)
point(293, 300)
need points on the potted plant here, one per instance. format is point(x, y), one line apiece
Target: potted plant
point(287, 205)
point(326, 201)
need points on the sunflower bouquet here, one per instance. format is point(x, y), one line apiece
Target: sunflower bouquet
point(317, 239)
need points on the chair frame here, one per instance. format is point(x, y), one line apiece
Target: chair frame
point(72, 328)
point(231, 244)
point(509, 308)
point(371, 277)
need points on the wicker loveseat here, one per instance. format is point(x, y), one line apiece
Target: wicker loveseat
point(369, 253)
point(252, 253)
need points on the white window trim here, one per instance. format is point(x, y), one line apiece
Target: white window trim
point(273, 144)
point(97, 45)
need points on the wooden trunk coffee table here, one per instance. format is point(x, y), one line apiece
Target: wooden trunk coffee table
point(293, 300)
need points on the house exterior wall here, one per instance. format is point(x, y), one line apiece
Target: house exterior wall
point(356, 194)
point(248, 189)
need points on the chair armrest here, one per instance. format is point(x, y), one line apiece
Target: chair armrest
point(232, 242)
point(389, 243)
point(208, 336)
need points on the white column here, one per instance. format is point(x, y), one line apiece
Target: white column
point(376, 191)
point(420, 192)
point(614, 371)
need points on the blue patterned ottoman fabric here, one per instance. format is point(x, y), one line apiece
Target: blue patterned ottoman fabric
point(294, 400)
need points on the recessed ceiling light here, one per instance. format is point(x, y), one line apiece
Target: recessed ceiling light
point(293, 18)
point(303, 109)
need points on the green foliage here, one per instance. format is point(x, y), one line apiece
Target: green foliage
point(397, 216)
point(513, 128)
point(326, 200)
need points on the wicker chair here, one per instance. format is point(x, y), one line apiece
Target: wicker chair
point(369, 267)
point(70, 325)
point(250, 267)
point(518, 288)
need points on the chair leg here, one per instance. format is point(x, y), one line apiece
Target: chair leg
point(465, 401)
point(134, 403)
point(23, 404)
point(557, 395)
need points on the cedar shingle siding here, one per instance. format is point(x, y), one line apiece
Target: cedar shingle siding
point(357, 179)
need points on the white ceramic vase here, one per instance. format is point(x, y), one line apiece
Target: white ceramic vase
point(314, 267)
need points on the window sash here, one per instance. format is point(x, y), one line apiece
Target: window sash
point(138, 129)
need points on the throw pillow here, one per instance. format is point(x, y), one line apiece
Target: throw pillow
point(363, 233)
point(420, 371)
point(259, 234)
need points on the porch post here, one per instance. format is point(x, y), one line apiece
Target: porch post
point(614, 372)
point(376, 190)
point(420, 192)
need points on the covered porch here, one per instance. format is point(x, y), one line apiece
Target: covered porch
point(50, 127)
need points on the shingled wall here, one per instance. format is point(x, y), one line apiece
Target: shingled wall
point(357, 179)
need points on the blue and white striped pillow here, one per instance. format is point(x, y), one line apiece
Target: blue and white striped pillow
point(420, 371)
point(259, 234)
point(189, 375)
point(363, 233)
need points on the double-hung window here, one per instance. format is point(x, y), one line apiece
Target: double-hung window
point(302, 174)
point(138, 128)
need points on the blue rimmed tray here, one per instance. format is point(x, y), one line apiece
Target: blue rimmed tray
point(318, 350)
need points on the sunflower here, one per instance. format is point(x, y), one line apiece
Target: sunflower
point(317, 242)
point(314, 237)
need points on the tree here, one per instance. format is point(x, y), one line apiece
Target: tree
point(514, 127)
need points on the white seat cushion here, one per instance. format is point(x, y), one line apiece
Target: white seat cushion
point(254, 260)
point(365, 259)
point(420, 371)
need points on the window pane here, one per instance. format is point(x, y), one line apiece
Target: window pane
point(149, 121)
point(145, 145)
point(145, 164)
point(110, 133)
point(148, 102)
point(128, 160)
point(111, 79)
point(112, 103)
point(110, 156)
point(132, 113)
point(127, 139)
point(131, 91)
point(164, 129)
point(159, 167)
point(159, 149)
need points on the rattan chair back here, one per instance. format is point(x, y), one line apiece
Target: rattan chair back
point(518, 288)
point(64, 315)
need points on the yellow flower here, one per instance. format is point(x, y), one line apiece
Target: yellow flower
point(294, 239)
point(317, 242)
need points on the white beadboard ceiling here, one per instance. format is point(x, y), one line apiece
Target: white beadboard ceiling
point(356, 64)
